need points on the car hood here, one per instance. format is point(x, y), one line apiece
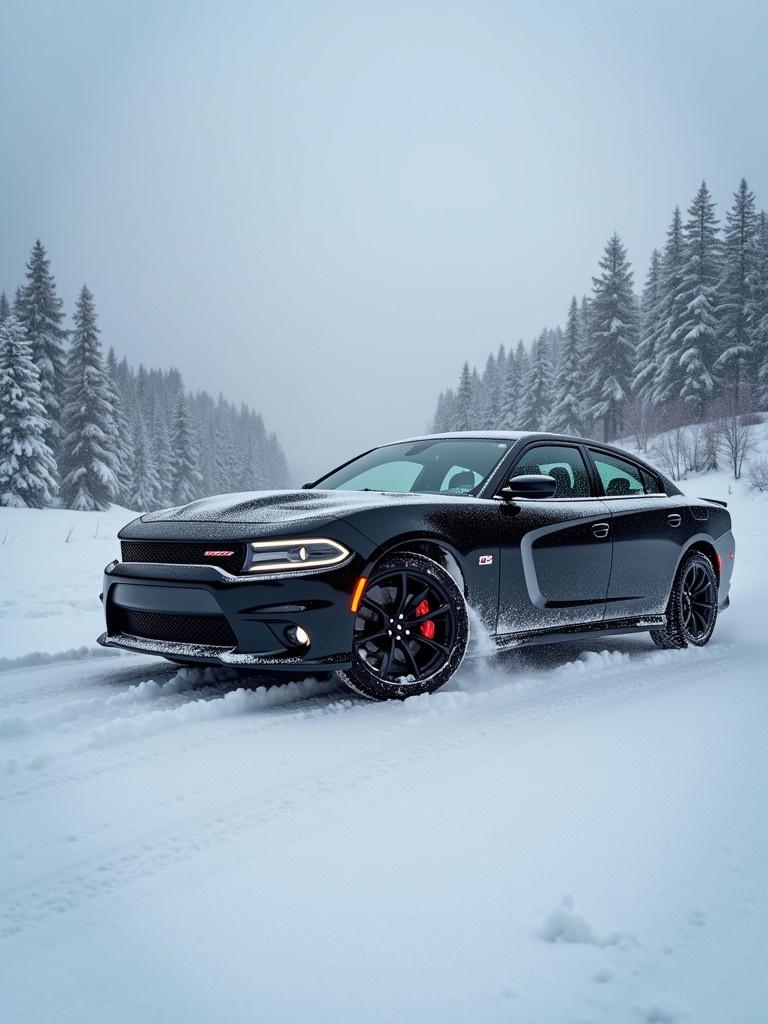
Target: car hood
point(282, 507)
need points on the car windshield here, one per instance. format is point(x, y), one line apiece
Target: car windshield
point(447, 466)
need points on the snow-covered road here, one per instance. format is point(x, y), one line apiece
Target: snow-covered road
point(176, 846)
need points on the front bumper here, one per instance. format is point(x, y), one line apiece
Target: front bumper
point(260, 612)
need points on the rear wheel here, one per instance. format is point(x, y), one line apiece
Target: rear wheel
point(411, 631)
point(692, 609)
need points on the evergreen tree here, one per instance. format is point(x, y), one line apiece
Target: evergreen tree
point(758, 311)
point(120, 442)
point(40, 310)
point(88, 464)
point(534, 403)
point(162, 456)
point(462, 406)
point(186, 478)
point(696, 339)
point(613, 317)
point(650, 317)
point(740, 256)
point(27, 468)
point(509, 403)
point(145, 483)
point(669, 374)
point(488, 395)
point(5, 308)
point(565, 416)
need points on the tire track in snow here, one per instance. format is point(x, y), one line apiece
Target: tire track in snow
point(71, 711)
point(237, 702)
point(509, 708)
point(94, 674)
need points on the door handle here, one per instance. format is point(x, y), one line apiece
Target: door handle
point(600, 530)
point(674, 519)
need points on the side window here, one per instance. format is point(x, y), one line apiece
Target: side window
point(651, 483)
point(563, 463)
point(620, 478)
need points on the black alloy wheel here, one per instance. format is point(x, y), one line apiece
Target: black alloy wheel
point(692, 610)
point(411, 630)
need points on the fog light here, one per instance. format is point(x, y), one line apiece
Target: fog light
point(298, 635)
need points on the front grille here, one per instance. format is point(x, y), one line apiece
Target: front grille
point(172, 553)
point(208, 630)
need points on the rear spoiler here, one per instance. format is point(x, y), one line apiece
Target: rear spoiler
point(715, 501)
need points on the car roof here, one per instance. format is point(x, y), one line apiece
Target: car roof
point(513, 435)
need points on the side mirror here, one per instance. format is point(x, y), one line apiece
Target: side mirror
point(532, 485)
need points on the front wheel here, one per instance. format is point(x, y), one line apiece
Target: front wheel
point(692, 609)
point(411, 631)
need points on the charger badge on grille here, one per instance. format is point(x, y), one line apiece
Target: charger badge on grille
point(218, 554)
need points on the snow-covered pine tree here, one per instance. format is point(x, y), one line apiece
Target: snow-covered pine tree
point(487, 412)
point(613, 340)
point(40, 310)
point(737, 359)
point(565, 416)
point(668, 383)
point(226, 463)
point(162, 456)
point(444, 418)
point(439, 418)
point(122, 433)
point(257, 441)
point(5, 307)
point(87, 463)
point(145, 484)
point(27, 467)
point(697, 337)
point(462, 406)
point(535, 396)
point(758, 310)
point(499, 380)
point(650, 312)
point(509, 402)
point(186, 478)
point(276, 466)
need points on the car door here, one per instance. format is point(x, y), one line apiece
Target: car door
point(649, 531)
point(555, 553)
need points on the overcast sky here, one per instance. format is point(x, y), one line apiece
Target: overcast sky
point(323, 208)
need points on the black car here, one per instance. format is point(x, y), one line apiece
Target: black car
point(374, 570)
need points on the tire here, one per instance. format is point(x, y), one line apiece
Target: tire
point(692, 609)
point(411, 631)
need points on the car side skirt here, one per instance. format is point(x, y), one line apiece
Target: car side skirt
point(556, 634)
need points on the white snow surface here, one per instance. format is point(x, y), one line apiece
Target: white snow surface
point(563, 835)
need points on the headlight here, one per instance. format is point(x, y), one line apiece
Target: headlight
point(279, 555)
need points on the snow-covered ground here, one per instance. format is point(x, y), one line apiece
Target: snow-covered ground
point(51, 564)
point(569, 834)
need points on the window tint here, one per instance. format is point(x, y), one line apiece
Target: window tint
point(561, 462)
point(620, 478)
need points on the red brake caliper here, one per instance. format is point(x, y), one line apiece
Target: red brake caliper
point(426, 629)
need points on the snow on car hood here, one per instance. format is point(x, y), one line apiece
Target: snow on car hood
point(285, 506)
